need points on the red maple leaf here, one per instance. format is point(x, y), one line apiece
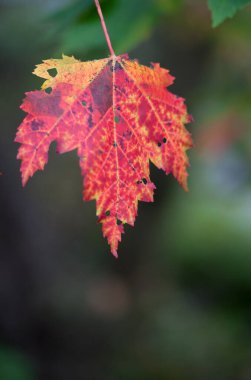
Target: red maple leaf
point(119, 115)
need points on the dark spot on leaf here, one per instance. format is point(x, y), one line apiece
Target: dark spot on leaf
point(119, 222)
point(139, 182)
point(115, 145)
point(53, 72)
point(108, 213)
point(164, 140)
point(48, 90)
point(36, 124)
point(83, 103)
point(89, 121)
point(159, 144)
point(117, 66)
point(116, 119)
point(110, 64)
point(90, 108)
point(144, 180)
point(127, 134)
point(45, 105)
point(101, 90)
point(118, 108)
point(121, 143)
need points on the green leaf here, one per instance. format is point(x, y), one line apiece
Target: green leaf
point(71, 12)
point(128, 24)
point(222, 9)
point(77, 28)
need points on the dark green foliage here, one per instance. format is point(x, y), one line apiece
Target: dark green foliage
point(129, 23)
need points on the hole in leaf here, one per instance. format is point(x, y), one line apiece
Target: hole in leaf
point(52, 72)
point(144, 180)
point(116, 119)
point(119, 222)
point(115, 145)
point(159, 144)
point(83, 103)
point(139, 182)
point(48, 90)
point(164, 140)
point(108, 213)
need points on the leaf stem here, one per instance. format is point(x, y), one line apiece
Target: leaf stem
point(104, 27)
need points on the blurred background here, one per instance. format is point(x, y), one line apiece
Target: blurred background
point(176, 304)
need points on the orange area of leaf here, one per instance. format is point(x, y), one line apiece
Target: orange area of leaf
point(119, 115)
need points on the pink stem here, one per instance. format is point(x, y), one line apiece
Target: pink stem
point(104, 27)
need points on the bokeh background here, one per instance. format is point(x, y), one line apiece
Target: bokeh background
point(176, 304)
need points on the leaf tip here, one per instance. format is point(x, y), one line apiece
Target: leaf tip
point(115, 253)
point(184, 183)
point(216, 22)
point(25, 179)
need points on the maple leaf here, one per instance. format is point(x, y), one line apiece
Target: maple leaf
point(119, 116)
